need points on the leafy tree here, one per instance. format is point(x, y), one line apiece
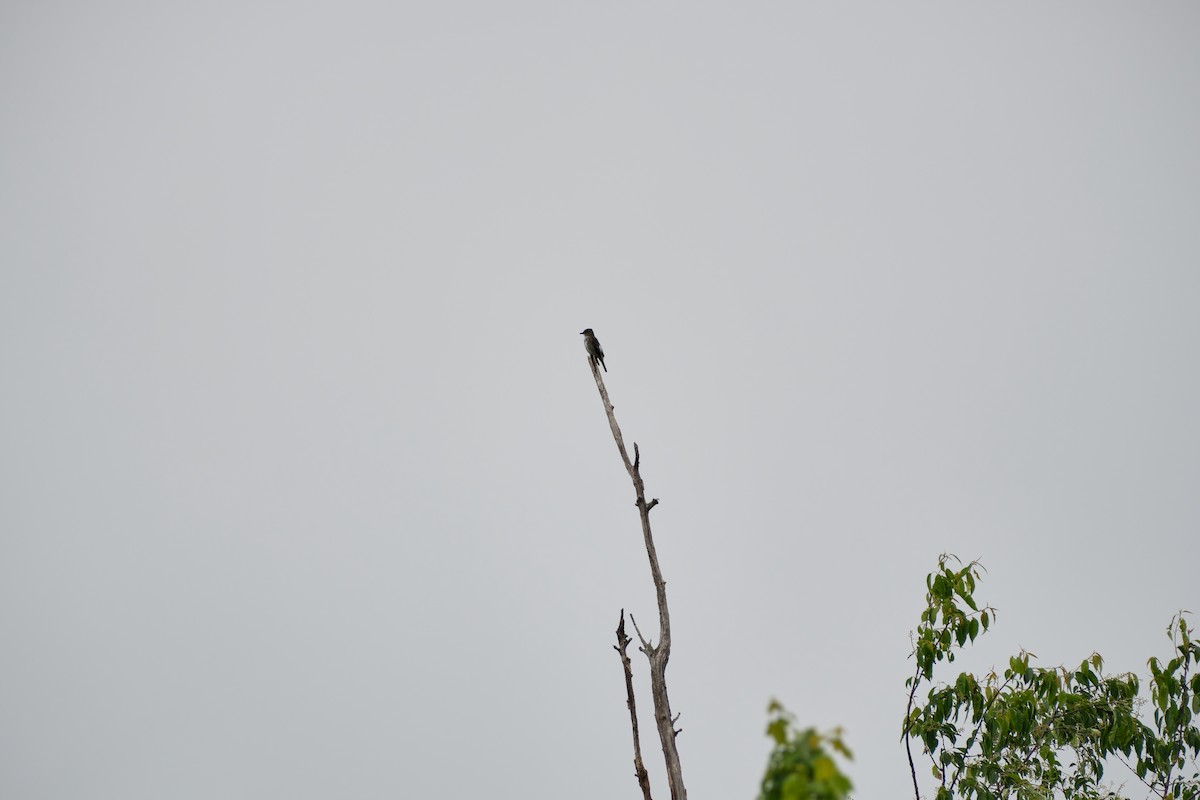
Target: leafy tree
point(801, 766)
point(1042, 732)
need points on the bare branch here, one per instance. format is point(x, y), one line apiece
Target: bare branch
point(907, 727)
point(646, 646)
point(639, 769)
point(661, 653)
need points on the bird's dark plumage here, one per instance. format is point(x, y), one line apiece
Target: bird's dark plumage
point(592, 345)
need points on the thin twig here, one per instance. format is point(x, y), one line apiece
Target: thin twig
point(647, 648)
point(908, 727)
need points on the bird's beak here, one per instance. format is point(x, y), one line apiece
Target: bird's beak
point(581, 333)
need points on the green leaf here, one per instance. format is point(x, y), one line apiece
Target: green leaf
point(840, 746)
point(824, 768)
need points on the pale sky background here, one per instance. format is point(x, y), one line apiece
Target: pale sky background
point(305, 488)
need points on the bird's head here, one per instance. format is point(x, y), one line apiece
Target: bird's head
point(586, 332)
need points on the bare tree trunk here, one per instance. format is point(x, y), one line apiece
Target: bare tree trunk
point(659, 654)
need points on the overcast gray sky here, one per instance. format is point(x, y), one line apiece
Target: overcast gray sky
point(305, 489)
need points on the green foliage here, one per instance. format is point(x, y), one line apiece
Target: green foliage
point(802, 766)
point(1041, 732)
point(1175, 696)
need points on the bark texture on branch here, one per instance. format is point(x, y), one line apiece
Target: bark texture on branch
point(639, 769)
point(657, 654)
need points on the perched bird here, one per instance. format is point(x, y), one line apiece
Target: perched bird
point(592, 345)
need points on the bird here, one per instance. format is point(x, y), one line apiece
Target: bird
point(592, 345)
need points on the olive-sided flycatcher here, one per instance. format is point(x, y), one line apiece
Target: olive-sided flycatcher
point(592, 345)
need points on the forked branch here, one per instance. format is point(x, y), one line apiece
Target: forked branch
point(658, 654)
